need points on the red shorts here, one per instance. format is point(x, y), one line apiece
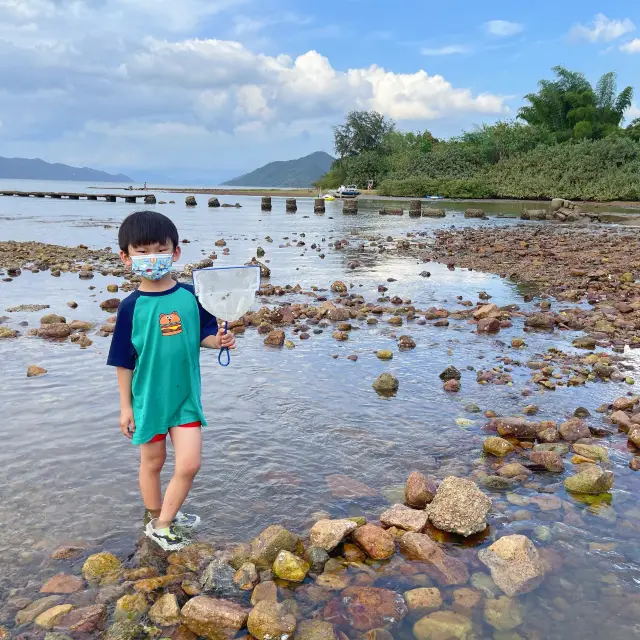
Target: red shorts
point(163, 436)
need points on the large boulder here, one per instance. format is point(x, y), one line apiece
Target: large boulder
point(213, 618)
point(419, 490)
point(592, 480)
point(515, 564)
point(190, 201)
point(377, 543)
point(271, 621)
point(445, 569)
point(444, 625)
point(459, 507)
point(266, 546)
point(404, 518)
point(328, 534)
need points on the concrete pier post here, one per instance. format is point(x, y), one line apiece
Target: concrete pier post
point(319, 205)
point(350, 207)
point(266, 203)
point(292, 205)
point(415, 209)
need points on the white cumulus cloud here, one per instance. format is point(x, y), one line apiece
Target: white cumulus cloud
point(602, 29)
point(631, 47)
point(503, 28)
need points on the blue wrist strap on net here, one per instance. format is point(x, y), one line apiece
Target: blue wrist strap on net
point(224, 351)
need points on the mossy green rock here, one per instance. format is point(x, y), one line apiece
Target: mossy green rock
point(386, 383)
point(266, 546)
point(289, 567)
point(503, 614)
point(125, 630)
point(384, 354)
point(593, 480)
point(98, 565)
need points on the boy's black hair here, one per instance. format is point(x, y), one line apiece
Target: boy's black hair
point(146, 227)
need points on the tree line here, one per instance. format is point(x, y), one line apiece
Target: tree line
point(567, 141)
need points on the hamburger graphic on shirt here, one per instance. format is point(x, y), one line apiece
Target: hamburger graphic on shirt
point(170, 324)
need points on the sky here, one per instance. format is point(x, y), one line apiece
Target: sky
point(203, 90)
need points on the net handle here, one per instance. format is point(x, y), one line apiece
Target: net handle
point(224, 351)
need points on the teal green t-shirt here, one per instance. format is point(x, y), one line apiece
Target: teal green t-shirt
point(158, 336)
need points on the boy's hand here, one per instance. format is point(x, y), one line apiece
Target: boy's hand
point(227, 340)
point(127, 424)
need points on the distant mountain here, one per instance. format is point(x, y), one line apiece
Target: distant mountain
point(302, 172)
point(36, 169)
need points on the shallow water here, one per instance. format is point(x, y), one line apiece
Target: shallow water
point(281, 421)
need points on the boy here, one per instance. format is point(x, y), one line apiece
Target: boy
point(156, 342)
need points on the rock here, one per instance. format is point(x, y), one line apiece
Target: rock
point(514, 470)
point(515, 564)
point(317, 558)
point(110, 305)
point(33, 371)
point(33, 610)
point(497, 446)
point(265, 591)
point(592, 480)
point(465, 599)
point(404, 518)
point(518, 343)
point(328, 534)
point(423, 599)
point(112, 288)
point(246, 577)
point(49, 618)
point(342, 486)
point(190, 201)
point(340, 336)
point(459, 507)
point(271, 621)
point(125, 630)
point(386, 383)
point(268, 544)
point(377, 543)
point(52, 318)
point(218, 579)
point(62, 583)
point(384, 354)
point(339, 287)
point(593, 451)
point(55, 331)
point(213, 202)
point(214, 619)
point(450, 373)
point(275, 338)
point(369, 608)
point(452, 386)
point(634, 436)
point(165, 612)
point(516, 427)
point(447, 570)
point(395, 321)
point(406, 343)
point(131, 606)
point(444, 625)
point(290, 567)
point(84, 620)
point(634, 465)
point(550, 460)
point(497, 483)
point(621, 419)
point(66, 552)
point(489, 325)
point(573, 430)
point(97, 565)
point(503, 613)
point(586, 342)
point(315, 630)
point(419, 490)
point(5, 332)
point(541, 321)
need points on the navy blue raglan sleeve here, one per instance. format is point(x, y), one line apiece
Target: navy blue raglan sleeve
point(208, 323)
point(122, 352)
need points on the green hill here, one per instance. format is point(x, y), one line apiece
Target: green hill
point(300, 173)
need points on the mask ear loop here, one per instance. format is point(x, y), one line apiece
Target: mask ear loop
point(224, 351)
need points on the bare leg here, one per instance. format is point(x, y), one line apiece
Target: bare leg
point(152, 457)
point(187, 443)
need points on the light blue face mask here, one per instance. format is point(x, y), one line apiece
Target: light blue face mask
point(152, 266)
